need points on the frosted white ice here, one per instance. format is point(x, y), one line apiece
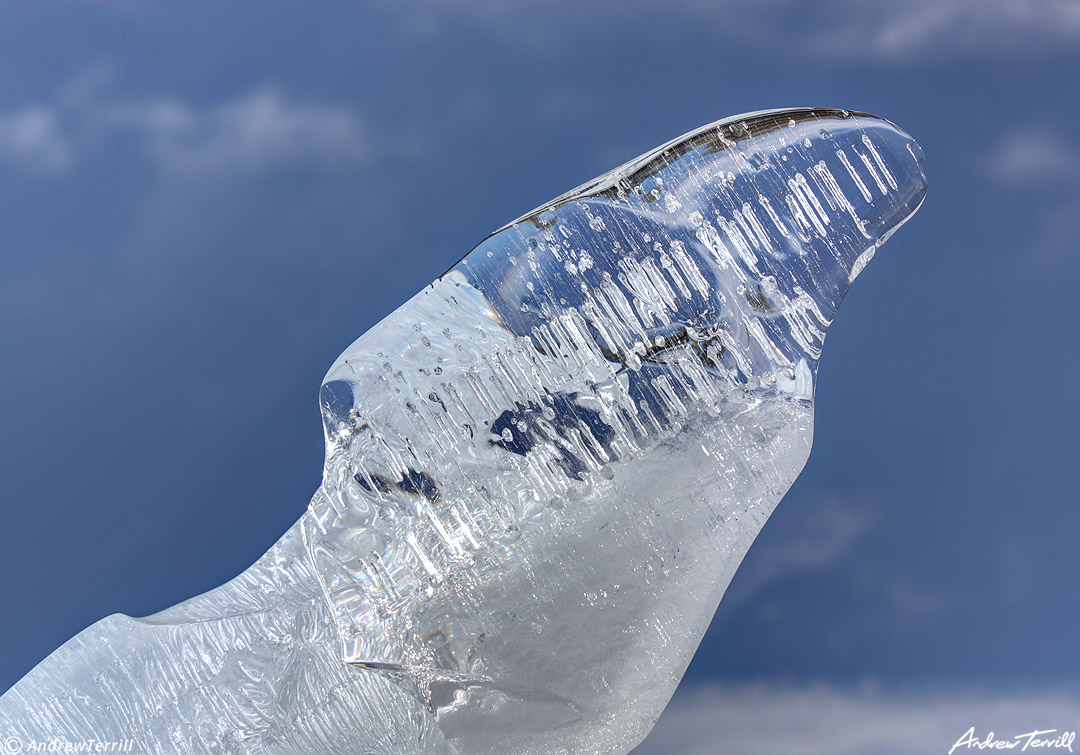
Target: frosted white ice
point(541, 472)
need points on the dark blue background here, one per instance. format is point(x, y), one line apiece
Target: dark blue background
point(201, 206)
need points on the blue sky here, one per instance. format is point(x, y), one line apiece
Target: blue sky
point(201, 206)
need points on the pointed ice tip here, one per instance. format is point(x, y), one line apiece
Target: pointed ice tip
point(892, 163)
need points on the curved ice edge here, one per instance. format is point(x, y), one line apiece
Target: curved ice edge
point(750, 121)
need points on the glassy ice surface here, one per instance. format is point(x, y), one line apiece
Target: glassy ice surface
point(541, 472)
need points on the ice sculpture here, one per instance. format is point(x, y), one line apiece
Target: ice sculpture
point(541, 472)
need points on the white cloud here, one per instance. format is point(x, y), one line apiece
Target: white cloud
point(255, 130)
point(842, 29)
point(1025, 160)
point(33, 139)
point(947, 27)
point(828, 720)
point(1033, 155)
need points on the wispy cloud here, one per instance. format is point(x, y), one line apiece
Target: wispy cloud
point(1035, 159)
point(265, 126)
point(254, 130)
point(838, 29)
point(826, 540)
point(257, 129)
point(806, 536)
point(827, 720)
point(33, 139)
point(1034, 155)
point(946, 27)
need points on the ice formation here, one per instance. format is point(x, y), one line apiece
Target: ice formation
point(541, 472)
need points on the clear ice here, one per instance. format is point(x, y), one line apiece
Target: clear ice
point(541, 473)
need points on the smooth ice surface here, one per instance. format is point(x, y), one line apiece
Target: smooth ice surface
point(541, 472)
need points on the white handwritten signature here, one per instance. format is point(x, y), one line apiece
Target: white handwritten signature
point(1032, 739)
